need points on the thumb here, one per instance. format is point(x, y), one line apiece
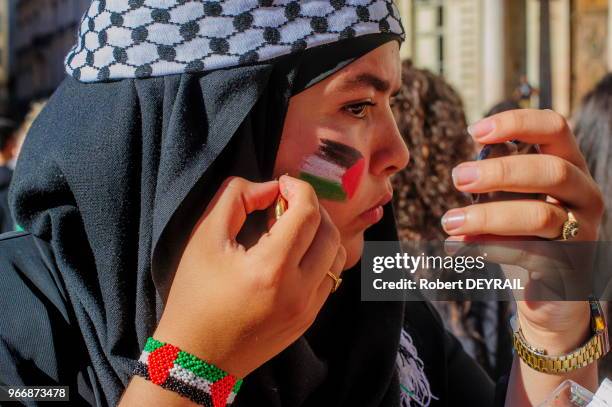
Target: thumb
point(235, 199)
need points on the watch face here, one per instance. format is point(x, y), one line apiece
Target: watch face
point(599, 324)
point(598, 321)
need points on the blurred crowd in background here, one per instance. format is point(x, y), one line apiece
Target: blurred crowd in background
point(463, 59)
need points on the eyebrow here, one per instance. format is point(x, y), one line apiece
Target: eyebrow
point(367, 80)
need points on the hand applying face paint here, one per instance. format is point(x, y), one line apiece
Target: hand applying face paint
point(268, 294)
point(334, 170)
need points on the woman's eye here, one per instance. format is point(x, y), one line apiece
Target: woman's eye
point(359, 109)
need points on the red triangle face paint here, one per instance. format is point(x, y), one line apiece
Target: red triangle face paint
point(352, 176)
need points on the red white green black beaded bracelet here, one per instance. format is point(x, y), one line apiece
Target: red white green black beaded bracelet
point(191, 377)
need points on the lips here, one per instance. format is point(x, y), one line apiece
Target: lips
point(375, 213)
point(385, 199)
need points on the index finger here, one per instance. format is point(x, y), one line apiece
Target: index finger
point(295, 230)
point(544, 127)
point(236, 198)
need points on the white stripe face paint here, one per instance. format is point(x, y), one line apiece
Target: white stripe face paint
point(315, 165)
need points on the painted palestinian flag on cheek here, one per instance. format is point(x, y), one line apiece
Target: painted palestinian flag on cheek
point(334, 170)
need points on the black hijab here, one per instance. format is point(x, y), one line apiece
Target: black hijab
point(114, 175)
point(6, 219)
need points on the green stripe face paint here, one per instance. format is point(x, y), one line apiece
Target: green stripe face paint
point(334, 170)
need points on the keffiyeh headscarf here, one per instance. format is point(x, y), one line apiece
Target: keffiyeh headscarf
point(165, 100)
point(143, 38)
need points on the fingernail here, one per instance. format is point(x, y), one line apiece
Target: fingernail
point(286, 184)
point(482, 128)
point(465, 174)
point(536, 275)
point(453, 220)
point(452, 246)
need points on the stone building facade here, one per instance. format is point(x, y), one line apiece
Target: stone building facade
point(6, 31)
point(44, 32)
point(483, 46)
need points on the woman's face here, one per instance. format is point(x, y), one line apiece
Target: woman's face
point(340, 135)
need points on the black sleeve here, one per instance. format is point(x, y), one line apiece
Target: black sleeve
point(39, 344)
point(6, 220)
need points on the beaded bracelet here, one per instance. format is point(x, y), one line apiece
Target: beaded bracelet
point(191, 377)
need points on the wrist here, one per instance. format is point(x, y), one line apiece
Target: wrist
point(558, 336)
point(186, 374)
point(209, 345)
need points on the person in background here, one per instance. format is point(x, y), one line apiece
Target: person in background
point(524, 92)
point(7, 154)
point(593, 129)
point(35, 108)
point(11, 140)
point(432, 121)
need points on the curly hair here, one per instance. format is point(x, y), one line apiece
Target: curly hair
point(430, 117)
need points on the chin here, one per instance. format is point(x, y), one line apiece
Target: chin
point(354, 249)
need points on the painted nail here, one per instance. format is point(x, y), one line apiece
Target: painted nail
point(453, 220)
point(482, 128)
point(465, 174)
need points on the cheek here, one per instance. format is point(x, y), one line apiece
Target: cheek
point(297, 141)
point(343, 216)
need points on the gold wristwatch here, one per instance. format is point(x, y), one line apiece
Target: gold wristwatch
point(594, 348)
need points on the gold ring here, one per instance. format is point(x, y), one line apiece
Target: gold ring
point(280, 207)
point(337, 281)
point(570, 227)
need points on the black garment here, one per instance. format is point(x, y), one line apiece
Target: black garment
point(57, 355)
point(6, 219)
point(116, 190)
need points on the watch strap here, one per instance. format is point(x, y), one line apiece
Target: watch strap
point(595, 347)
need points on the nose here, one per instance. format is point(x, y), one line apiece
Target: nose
point(389, 152)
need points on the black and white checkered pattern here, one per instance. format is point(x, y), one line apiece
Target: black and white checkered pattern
point(143, 38)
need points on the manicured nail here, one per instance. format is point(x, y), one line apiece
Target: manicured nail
point(453, 219)
point(465, 174)
point(482, 128)
point(452, 246)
